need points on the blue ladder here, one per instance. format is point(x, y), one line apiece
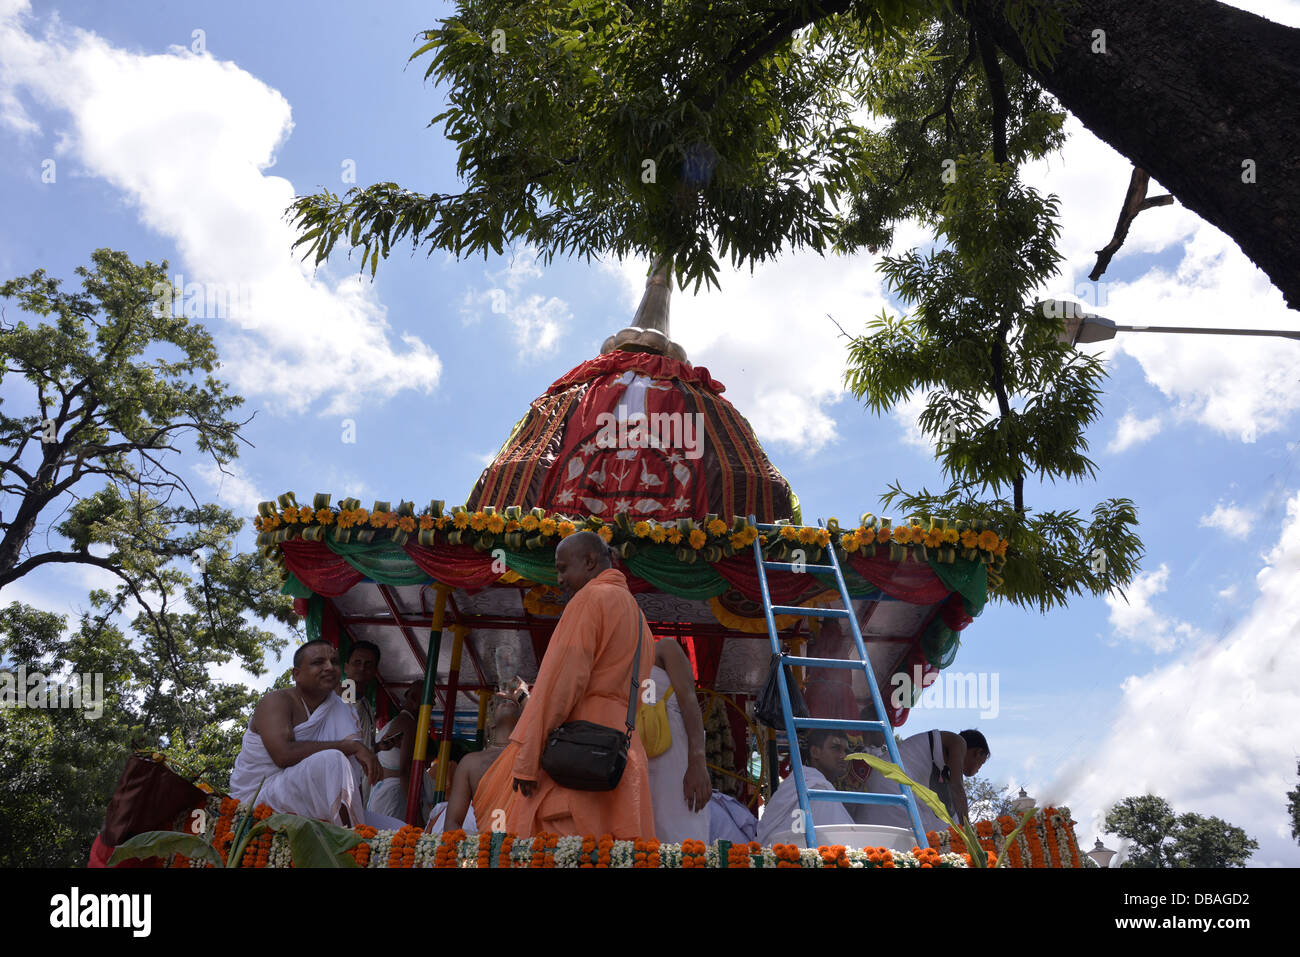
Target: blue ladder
point(793, 725)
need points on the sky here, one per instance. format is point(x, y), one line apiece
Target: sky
point(181, 131)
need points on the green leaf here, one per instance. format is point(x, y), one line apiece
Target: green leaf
point(896, 774)
point(163, 844)
point(315, 843)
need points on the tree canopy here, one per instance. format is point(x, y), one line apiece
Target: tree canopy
point(748, 117)
point(1162, 838)
point(91, 461)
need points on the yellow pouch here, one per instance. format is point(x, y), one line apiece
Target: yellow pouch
point(653, 728)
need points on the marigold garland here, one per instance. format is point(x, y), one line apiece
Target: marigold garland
point(514, 528)
point(411, 847)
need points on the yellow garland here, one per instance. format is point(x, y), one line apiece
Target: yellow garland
point(285, 518)
point(536, 603)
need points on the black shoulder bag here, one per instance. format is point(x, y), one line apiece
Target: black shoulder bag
point(583, 756)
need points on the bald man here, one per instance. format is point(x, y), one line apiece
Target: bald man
point(586, 675)
point(302, 752)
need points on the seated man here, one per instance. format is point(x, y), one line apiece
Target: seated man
point(824, 762)
point(927, 759)
point(470, 773)
point(302, 746)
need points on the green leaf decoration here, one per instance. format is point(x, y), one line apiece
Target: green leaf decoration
point(896, 774)
point(315, 843)
point(163, 844)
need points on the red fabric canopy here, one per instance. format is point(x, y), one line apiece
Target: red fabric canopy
point(648, 364)
point(912, 582)
point(318, 568)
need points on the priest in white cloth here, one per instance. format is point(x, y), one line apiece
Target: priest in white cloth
point(302, 746)
point(679, 777)
point(930, 758)
point(826, 761)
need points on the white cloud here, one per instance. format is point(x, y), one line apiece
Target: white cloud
point(1217, 731)
point(233, 488)
point(1228, 518)
point(1133, 431)
point(1137, 620)
point(1239, 386)
point(187, 139)
point(535, 321)
point(1286, 12)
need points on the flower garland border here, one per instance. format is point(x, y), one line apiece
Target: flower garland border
point(709, 539)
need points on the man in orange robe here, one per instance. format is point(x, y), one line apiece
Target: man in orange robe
point(586, 675)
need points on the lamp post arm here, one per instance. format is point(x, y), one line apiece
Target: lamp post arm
point(1214, 332)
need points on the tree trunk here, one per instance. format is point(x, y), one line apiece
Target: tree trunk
point(1190, 91)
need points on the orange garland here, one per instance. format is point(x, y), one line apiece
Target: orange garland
point(361, 853)
point(445, 855)
point(787, 855)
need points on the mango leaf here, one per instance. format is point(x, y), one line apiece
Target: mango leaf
point(164, 843)
point(315, 843)
point(896, 774)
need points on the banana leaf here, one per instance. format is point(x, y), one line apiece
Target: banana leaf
point(896, 774)
point(315, 843)
point(165, 843)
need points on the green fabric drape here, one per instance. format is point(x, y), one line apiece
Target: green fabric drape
point(939, 644)
point(660, 567)
point(535, 566)
point(857, 586)
point(295, 588)
point(315, 609)
point(970, 579)
point(383, 562)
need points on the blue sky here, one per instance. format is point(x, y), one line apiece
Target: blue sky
point(167, 144)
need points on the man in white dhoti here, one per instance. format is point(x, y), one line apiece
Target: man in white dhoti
point(826, 761)
point(928, 758)
point(679, 777)
point(303, 747)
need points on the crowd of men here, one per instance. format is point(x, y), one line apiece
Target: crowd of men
point(308, 751)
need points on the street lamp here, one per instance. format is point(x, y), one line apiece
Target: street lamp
point(1082, 327)
point(1101, 855)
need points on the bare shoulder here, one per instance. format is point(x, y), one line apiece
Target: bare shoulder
point(478, 760)
point(275, 704)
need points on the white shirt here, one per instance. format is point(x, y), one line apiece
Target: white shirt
point(917, 755)
point(779, 820)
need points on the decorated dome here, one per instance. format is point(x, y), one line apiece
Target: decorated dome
point(639, 431)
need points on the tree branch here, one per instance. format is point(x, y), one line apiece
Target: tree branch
point(950, 122)
point(1135, 200)
point(997, 91)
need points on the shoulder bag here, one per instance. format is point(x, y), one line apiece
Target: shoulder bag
point(584, 756)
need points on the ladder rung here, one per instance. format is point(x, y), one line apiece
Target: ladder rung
point(810, 612)
point(791, 567)
point(858, 797)
point(835, 724)
point(821, 662)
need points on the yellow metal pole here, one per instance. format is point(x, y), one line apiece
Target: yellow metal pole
point(449, 717)
point(419, 757)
